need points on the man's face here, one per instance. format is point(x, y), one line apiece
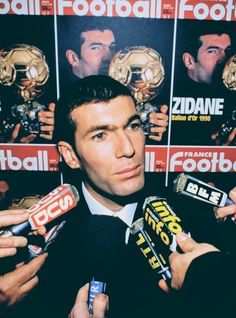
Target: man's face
point(211, 53)
point(110, 146)
point(96, 52)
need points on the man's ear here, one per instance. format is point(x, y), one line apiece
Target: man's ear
point(189, 61)
point(68, 155)
point(72, 58)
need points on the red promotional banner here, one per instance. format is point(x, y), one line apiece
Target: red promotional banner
point(207, 10)
point(118, 8)
point(165, 9)
point(63, 65)
point(28, 157)
point(27, 7)
point(190, 159)
point(111, 8)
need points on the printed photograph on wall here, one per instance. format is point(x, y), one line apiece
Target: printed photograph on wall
point(27, 80)
point(112, 46)
point(203, 109)
point(178, 59)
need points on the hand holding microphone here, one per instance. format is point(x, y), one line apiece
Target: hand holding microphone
point(180, 262)
point(16, 284)
point(9, 245)
point(53, 205)
point(81, 308)
point(196, 189)
point(49, 208)
point(229, 210)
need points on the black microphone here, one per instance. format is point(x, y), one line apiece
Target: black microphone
point(42, 244)
point(162, 224)
point(50, 207)
point(103, 240)
point(157, 262)
point(196, 189)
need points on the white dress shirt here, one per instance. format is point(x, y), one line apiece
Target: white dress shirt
point(126, 214)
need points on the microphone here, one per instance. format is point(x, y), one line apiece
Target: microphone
point(162, 224)
point(103, 239)
point(56, 203)
point(48, 238)
point(95, 288)
point(148, 248)
point(196, 189)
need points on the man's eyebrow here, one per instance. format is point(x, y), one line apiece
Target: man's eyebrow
point(132, 118)
point(98, 127)
point(217, 47)
point(213, 47)
point(96, 43)
point(100, 43)
point(111, 127)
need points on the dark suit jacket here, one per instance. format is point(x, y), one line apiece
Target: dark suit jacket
point(209, 287)
point(94, 246)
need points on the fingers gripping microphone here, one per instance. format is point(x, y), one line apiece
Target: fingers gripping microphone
point(95, 288)
point(194, 188)
point(53, 205)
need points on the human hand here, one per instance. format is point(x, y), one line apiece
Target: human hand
point(24, 140)
point(226, 142)
point(160, 120)
point(229, 210)
point(80, 309)
point(9, 245)
point(47, 118)
point(15, 285)
point(179, 263)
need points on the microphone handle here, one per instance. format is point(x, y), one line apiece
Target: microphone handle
point(16, 230)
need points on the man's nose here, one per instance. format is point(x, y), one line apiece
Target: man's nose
point(108, 53)
point(222, 57)
point(124, 146)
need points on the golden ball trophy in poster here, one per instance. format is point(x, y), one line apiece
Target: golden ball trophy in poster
point(229, 73)
point(24, 70)
point(141, 69)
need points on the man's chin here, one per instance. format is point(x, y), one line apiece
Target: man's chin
point(128, 190)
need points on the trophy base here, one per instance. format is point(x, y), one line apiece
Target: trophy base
point(144, 110)
point(26, 115)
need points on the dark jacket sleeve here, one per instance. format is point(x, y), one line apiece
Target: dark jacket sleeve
point(210, 285)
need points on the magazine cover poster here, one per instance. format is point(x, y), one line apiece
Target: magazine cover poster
point(28, 81)
point(203, 109)
point(112, 46)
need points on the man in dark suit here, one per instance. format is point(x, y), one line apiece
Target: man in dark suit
point(100, 138)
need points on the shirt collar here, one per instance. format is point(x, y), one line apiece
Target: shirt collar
point(126, 214)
